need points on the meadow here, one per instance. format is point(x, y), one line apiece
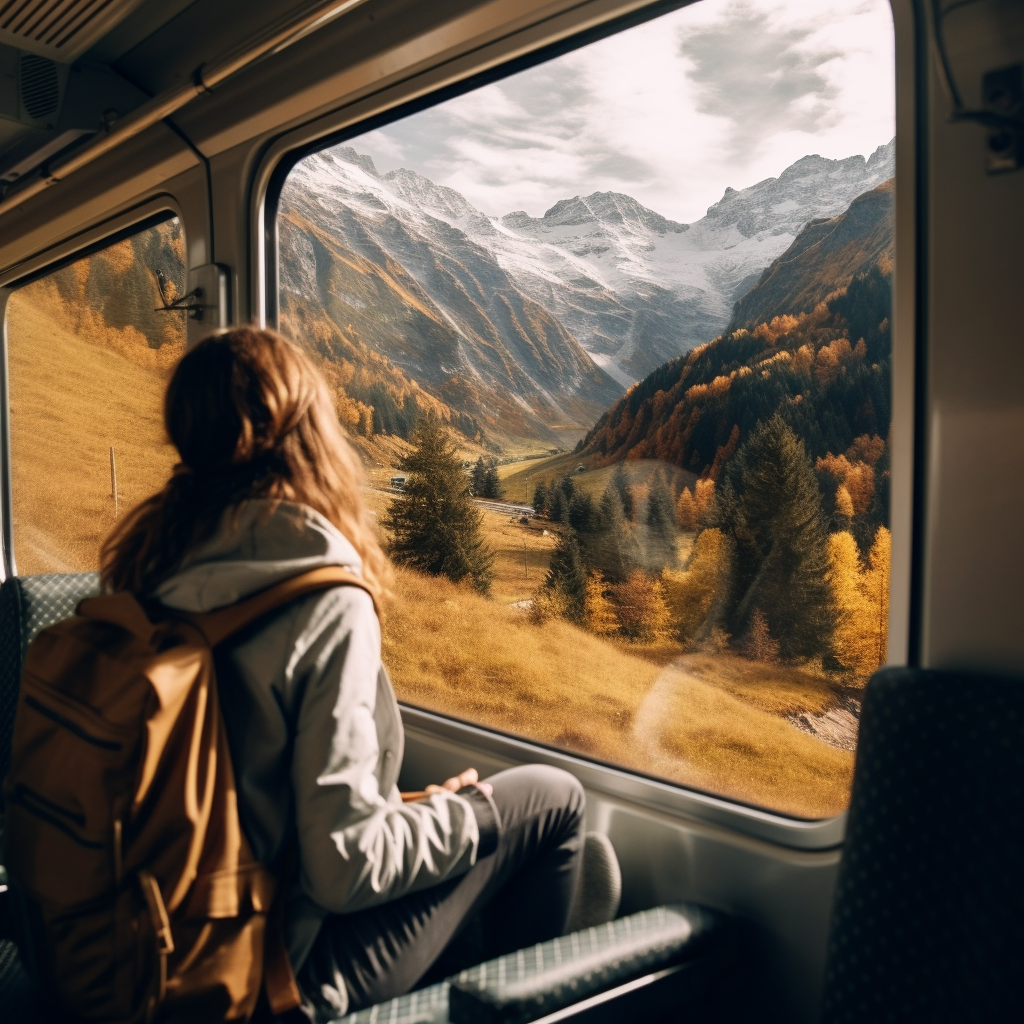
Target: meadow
point(713, 722)
point(74, 393)
point(716, 722)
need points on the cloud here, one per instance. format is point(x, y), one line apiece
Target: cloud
point(722, 92)
point(762, 77)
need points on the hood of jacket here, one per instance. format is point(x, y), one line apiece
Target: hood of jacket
point(257, 544)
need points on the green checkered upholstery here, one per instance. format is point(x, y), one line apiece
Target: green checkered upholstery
point(928, 923)
point(534, 982)
point(27, 605)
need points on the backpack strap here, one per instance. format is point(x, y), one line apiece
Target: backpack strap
point(218, 625)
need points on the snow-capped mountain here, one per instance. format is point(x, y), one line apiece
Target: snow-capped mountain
point(636, 288)
point(386, 265)
point(496, 312)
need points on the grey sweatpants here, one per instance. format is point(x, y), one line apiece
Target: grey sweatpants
point(519, 895)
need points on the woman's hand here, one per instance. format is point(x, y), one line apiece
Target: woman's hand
point(470, 777)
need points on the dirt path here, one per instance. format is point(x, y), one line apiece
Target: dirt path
point(649, 720)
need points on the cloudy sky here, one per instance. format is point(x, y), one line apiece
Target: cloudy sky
point(725, 92)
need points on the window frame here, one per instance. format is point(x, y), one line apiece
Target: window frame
point(155, 211)
point(529, 47)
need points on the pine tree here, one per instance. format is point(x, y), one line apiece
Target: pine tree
point(770, 505)
point(660, 527)
point(556, 505)
point(434, 526)
point(567, 577)
point(478, 478)
point(611, 548)
point(492, 483)
point(621, 484)
point(582, 515)
point(540, 499)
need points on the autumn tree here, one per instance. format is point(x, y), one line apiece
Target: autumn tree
point(640, 607)
point(770, 506)
point(567, 577)
point(600, 615)
point(434, 525)
point(853, 644)
point(703, 496)
point(686, 510)
point(844, 503)
point(759, 645)
point(696, 597)
point(876, 587)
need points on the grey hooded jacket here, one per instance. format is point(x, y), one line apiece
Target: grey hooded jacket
point(314, 729)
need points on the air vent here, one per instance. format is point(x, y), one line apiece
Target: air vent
point(61, 29)
point(40, 87)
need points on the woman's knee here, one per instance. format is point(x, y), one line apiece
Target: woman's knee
point(539, 788)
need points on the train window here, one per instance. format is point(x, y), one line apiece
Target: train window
point(627, 426)
point(88, 351)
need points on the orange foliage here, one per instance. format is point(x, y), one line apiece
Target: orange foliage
point(779, 326)
point(860, 482)
point(686, 510)
point(719, 386)
point(725, 452)
point(867, 448)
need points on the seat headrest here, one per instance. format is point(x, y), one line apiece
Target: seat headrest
point(27, 605)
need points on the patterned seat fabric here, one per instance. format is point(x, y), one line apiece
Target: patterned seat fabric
point(534, 982)
point(27, 605)
point(928, 923)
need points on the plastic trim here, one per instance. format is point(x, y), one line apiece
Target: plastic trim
point(640, 790)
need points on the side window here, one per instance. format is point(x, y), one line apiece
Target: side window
point(88, 355)
point(615, 349)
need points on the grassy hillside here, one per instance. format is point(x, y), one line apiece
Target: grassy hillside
point(713, 723)
point(88, 361)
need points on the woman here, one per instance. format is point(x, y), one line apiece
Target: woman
point(268, 488)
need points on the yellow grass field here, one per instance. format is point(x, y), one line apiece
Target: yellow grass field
point(712, 722)
point(71, 399)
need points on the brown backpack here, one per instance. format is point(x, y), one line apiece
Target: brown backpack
point(136, 894)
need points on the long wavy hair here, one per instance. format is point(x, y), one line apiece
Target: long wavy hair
point(251, 417)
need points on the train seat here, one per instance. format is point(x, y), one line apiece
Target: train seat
point(638, 962)
point(928, 922)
